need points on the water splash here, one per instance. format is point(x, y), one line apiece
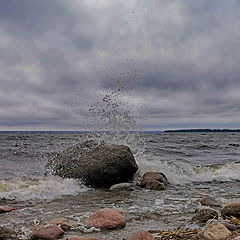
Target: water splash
point(111, 118)
point(43, 188)
point(181, 173)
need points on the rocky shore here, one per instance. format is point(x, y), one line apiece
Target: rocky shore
point(214, 223)
point(113, 167)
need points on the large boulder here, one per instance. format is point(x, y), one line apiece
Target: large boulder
point(97, 164)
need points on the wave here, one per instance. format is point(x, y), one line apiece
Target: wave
point(179, 173)
point(43, 188)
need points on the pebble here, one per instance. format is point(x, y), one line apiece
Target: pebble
point(64, 223)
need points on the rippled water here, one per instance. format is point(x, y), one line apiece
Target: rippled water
point(196, 164)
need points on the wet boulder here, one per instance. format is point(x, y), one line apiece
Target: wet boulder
point(75, 237)
point(96, 163)
point(142, 235)
point(209, 201)
point(205, 214)
point(48, 232)
point(231, 209)
point(8, 234)
point(107, 219)
point(150, 180)
point(214, 231)
point(155, 185)
point(230, 226)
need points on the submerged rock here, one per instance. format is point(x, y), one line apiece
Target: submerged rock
point(123, 186)
point(97, 164)
point(142, 235)
point(214, 231)
point(209, 201)
point(75, 237)
point(64, 223)
point(8, 234)
point(107, 219)
point(231, 209)
point(48, 232)
point(5, 209)
point(203, 215)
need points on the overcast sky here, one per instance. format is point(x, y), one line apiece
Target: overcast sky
point(169, 63)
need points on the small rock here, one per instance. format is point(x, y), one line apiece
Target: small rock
point(13, 202)
point(75, 237)
point(155, 185)
point(8, 234)
point(203, 215)
point(231, 209)
point(64, 223)
point(107, 219)
point(214, 231)
point(209, 201)
point(123, 186)
point(142, 235)
point(48, 232)
point(236, 238)
point(226, 223)
point(5, 209)
point(153, 176)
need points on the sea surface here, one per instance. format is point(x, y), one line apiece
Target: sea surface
point(196, 164)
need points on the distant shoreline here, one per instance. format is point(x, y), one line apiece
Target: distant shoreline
point(156, 131)
point(202, 130)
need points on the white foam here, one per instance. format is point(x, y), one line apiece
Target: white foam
point(179, 172)
point(44, 188)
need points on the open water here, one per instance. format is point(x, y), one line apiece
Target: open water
point(196, 164)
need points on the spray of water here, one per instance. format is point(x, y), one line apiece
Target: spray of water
point(111, 118)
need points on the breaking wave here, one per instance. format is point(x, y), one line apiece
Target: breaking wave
point(179, 172)
point(43, 188)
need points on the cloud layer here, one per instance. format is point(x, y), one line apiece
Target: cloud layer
point(176, 62)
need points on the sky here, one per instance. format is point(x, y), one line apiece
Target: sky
point(168, 64)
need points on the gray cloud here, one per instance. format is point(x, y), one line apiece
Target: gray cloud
point(176, 63)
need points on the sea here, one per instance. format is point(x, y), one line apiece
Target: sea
point(197, 165)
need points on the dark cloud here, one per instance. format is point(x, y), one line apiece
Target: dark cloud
point(176, 62)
